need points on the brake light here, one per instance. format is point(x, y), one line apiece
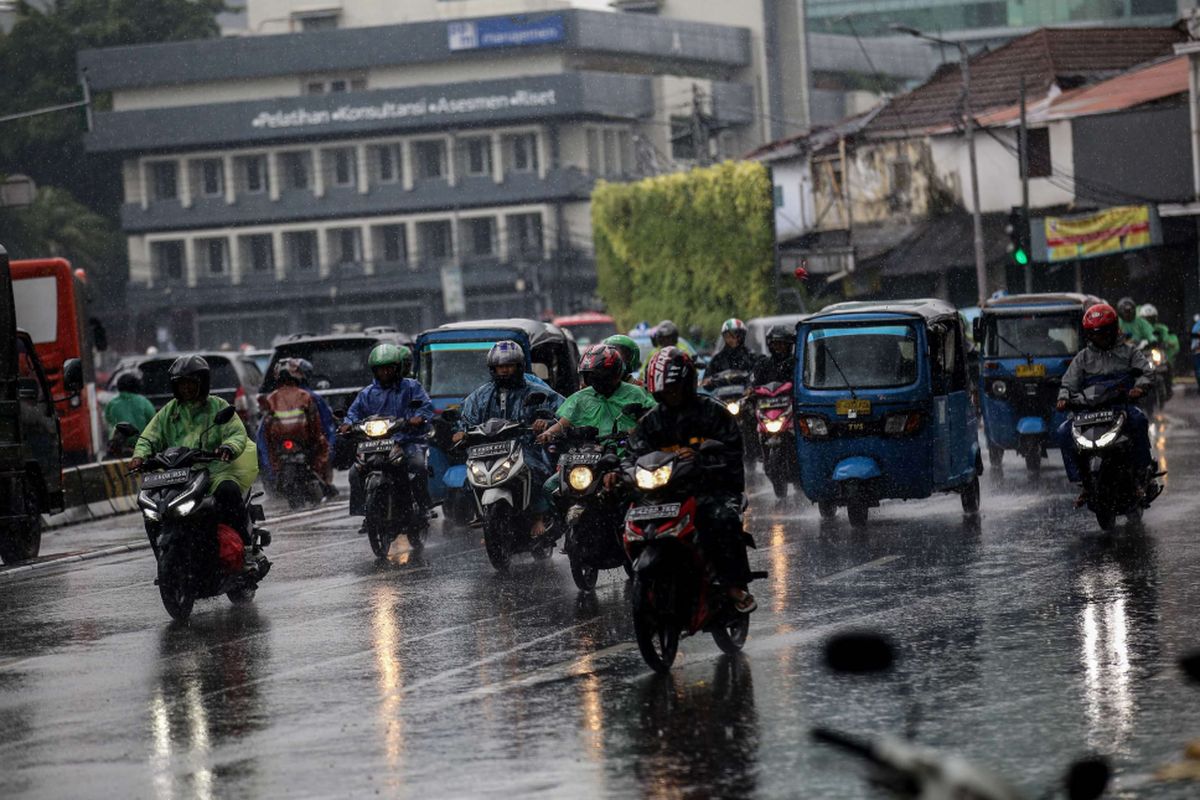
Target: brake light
point(903, 424)
point(288, 444)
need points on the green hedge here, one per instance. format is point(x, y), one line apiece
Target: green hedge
point(695, 247)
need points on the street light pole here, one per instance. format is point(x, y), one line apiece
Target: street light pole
point(964, 60)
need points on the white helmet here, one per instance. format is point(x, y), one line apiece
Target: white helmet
point(1148, 311)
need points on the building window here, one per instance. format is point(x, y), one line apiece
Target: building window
point(213, 255)
point(435, 240)
point(522, 150)
point(1040, 163)
point(346, 244)
point(259, 253)
point(477, 156)
point(252, 174)
point(901, 177)
point(164, 175)
point(430, 159)
point(779, 197)
point(682, 146)
point(316, 20)
point(340, 166)
point(479, 236)
point(595, 161)
point(166, 259)
point(391, 242)
point(625, 149)
point(387, 161)
point(525, 236)
point(295, 169)
point(210, 176)
point(610, 152)
point(301, 250)
point(333, 85)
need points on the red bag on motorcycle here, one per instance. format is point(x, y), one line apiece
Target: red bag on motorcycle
point(231, 552)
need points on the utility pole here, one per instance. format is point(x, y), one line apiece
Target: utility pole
point(1023, 149)
point(848, 203)
point(699, 128)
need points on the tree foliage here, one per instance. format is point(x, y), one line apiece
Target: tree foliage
point(696, 247)
point(58, 225)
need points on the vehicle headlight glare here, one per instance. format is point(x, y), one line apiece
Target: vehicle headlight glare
point(774, 425)
point(502, 472)
point(1108, 438)
point(1157, 357)
point(999, 388)
point(478, 472)
point(184, 508)
point(376, 428)
point(580, 478)
point(653, 479)
point(733, 407)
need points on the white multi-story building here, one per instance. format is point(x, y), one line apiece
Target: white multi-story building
point(439, 165)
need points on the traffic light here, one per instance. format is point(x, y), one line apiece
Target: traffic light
point(1018, 235)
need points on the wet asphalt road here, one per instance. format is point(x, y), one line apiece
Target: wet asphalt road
point(1028, 640)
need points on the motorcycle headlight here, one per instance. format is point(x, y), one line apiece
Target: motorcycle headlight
point(733, 407)
point(1157, 357)
point(184, 508)
point(999, 388)
point(580, 478)
point(376, 428)
point(1108, 438)
point(774, 425)
point(653, 479)
point(505, 468)
point(478, 472)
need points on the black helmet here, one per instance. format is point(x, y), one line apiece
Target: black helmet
point(1126, 308)
point(191, 367)
point(130, 382)
point(780, 335)
point(602, 368)
point(665, 334)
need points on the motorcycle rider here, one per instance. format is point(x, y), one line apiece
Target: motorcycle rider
point(683, 420)
point(665, 334)
point(1106, 355)
point(1134, 328)
point(131, 406)
point(1162, 334)
point(185, 422)
point(735, 354)
point(631, 354)
point(504, 397)
point(394, 395)
point(780, 364)
point(292, 414)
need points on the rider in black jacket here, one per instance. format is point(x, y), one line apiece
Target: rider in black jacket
point(735, 354)
point(684, 419)
point(780, 365)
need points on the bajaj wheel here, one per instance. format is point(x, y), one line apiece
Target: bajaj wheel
point(657, 638)
point(242, 596)
point(583, 575)
point(731, 636)
point(497, 535)
point(377, 535)
point(857, 511)
point(827, 509)
point(177, 598)
point(970, 497)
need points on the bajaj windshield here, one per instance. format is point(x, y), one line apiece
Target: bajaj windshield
point(860, 357)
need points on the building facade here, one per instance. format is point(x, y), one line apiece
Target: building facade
point(398, 174)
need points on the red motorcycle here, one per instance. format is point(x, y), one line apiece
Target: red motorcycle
point(777, 435)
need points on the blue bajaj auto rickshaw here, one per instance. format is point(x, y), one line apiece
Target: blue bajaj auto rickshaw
point(1027, 341)
point(451, 363)
point(883, 405)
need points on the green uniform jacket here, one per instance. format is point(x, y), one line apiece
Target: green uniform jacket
point(1138, 330)
point(1168, 339)
point(179, 425)
point(587, 408)
point(129, 407)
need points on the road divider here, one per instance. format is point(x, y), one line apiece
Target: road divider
point(95, 491)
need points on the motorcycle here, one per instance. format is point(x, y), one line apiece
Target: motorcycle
point(503, 485)
point(674, 589)
point(296, 480)
point(181, 524)
point(1163, 378)
point(391, 505)
point(731, 388)
point(1098, 422)
point(595, 516)
point(777, 434)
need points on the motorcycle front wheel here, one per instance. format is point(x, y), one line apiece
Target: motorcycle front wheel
point(657, 638)
point(378, 536)
point(583, 575)
point(497, 535)
point(242, 596)
point(731, 636)
point(177, 598)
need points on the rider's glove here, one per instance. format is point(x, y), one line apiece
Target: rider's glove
point(225, 453)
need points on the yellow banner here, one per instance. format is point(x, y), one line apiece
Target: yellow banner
point(1112, 230)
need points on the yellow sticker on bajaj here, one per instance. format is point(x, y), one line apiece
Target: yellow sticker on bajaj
point(853, 408)
point(1031, 370)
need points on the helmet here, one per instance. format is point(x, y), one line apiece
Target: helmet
point(1126, 307)
point(631, 354)
point(289, 369)
point(1149, 312)
point(665, 334)
point(734, 327)
point(602, 368)
point(396, 355)
point(503, 352)
point(306, 370)
point(190, 368)
point(1100, 325)
point(670, 367)
point(780, 335)
point(130, 382)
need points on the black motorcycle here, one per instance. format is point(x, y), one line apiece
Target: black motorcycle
point(181, 523)
point(731, 388)
point(297, 482)
point(392, 509)
point(1098, 427)
point(595, 516)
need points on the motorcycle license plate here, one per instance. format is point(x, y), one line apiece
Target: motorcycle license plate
point(667, 511)
point(375, 446)
point(577, 459)
point(168, 477)
point(852, 408)
point(1031, 370)
point(488, 450)
point(780, 403)
point(1095, 417)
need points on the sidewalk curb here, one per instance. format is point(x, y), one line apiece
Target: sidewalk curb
point(73, 558)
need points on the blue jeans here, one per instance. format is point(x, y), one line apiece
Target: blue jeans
point(1137, 427)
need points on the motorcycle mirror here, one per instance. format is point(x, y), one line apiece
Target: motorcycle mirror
point(1190, 664)
point(537, 398)
point(73, 376)
point(859, 653)
point(126, 429)
point(1088, 778)
point(225, 415)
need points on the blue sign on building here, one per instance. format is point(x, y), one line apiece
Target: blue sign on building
point(505, 32)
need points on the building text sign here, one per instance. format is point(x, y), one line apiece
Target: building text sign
point(1098, 233)
point(505, 32)
point(420, 108)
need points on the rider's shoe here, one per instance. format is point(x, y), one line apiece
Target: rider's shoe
point(743, 601)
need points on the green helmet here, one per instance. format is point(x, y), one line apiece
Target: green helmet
point(385, 353)
point(629, 351)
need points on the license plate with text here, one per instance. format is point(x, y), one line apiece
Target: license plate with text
point(666, 511)
point(167, 477)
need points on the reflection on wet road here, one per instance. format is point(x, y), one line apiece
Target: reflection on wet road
point(1026, 640)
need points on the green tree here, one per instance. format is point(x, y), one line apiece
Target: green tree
point(55, 224)
point(696, 247)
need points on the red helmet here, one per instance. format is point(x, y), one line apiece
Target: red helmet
point(1098, 316)
point(602, 368)
point(669, 367)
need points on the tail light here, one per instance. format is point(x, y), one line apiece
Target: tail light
point(902, 424)
point(288, 444)
point(813, 427)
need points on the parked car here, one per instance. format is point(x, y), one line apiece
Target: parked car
point(588, 327)
point(235, 379)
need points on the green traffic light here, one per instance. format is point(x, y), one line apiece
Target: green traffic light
point(1021, 257)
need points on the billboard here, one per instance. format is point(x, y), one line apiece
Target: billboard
point(520, 31)
point(1095, 234)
